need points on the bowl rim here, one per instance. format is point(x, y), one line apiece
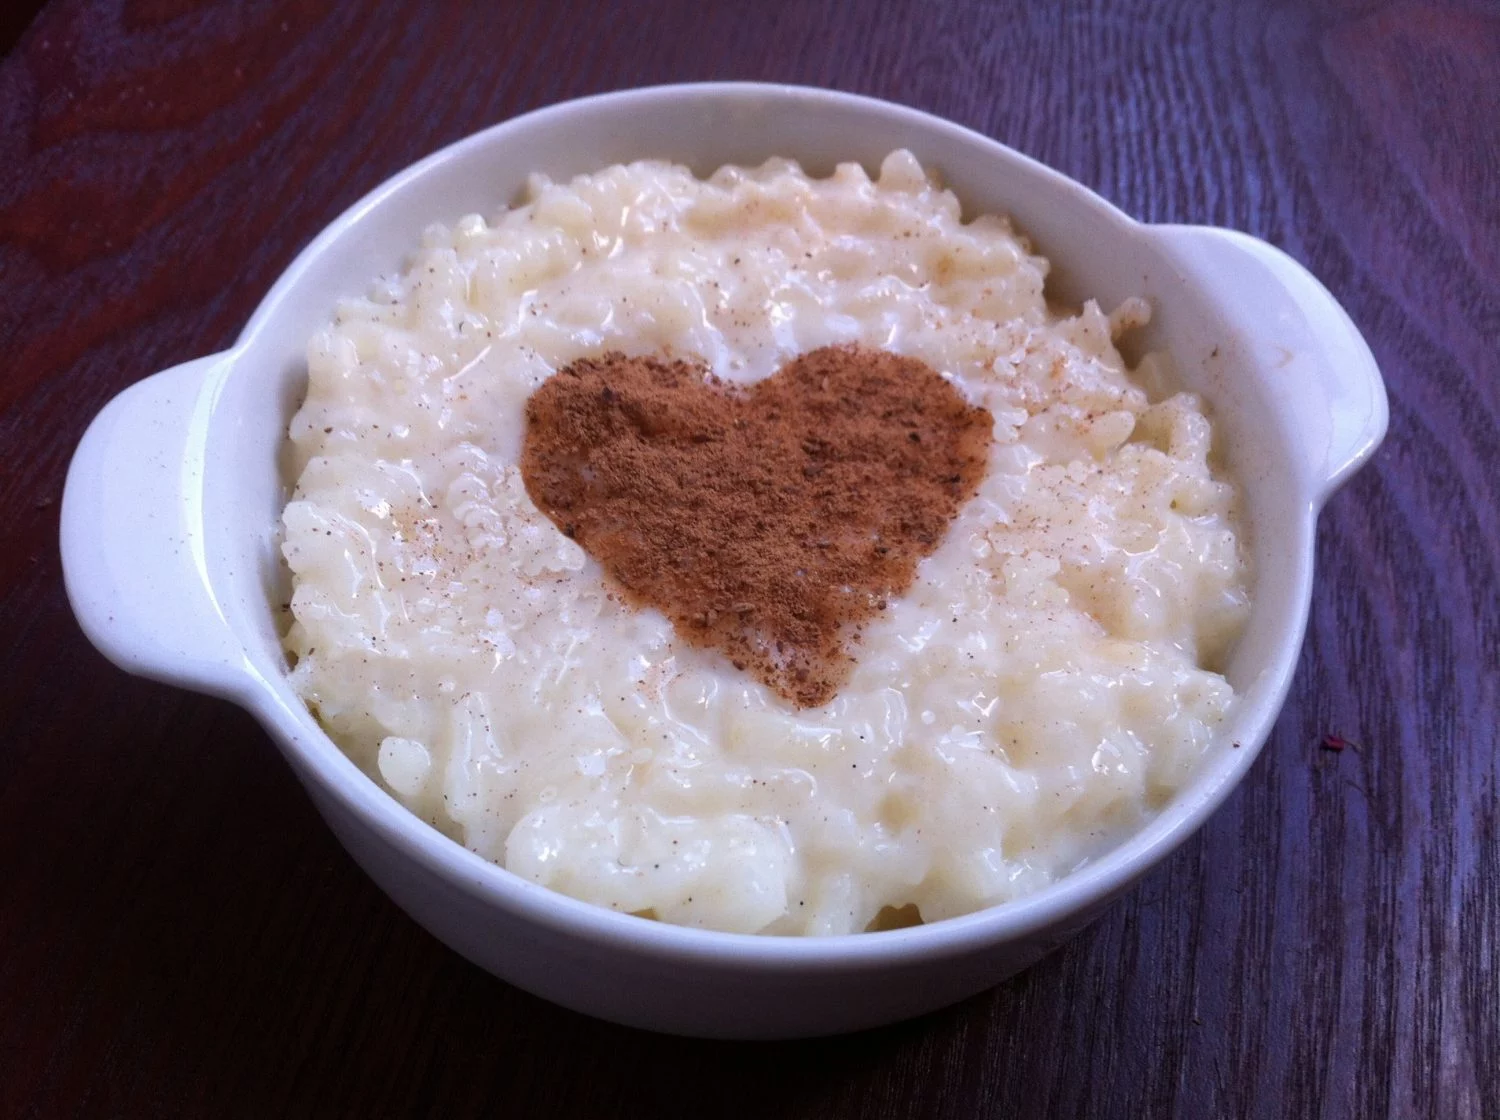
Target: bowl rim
point(1077, 894)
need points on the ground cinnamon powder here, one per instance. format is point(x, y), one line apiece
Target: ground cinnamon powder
point(770, 522)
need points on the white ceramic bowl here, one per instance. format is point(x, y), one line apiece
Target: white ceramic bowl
point(169, 539)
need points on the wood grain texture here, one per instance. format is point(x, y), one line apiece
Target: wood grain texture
point(179, 935)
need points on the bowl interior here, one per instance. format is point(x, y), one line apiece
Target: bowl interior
point(1096, 252)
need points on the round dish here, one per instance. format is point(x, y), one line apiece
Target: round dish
point(169, 532)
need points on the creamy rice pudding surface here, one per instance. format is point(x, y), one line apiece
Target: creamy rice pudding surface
point(1044, 685)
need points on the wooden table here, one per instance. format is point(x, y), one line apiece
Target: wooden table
point(179, 935)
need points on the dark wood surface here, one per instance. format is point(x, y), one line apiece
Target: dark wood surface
point(179, 935)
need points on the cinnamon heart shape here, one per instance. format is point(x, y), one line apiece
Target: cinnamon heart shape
point(771, 522)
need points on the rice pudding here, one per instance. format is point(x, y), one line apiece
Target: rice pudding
point(1045, 683)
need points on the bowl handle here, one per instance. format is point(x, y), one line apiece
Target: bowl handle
point(132, 540)
point(1324, 371)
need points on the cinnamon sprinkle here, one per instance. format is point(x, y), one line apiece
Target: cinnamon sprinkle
point(768, 523)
